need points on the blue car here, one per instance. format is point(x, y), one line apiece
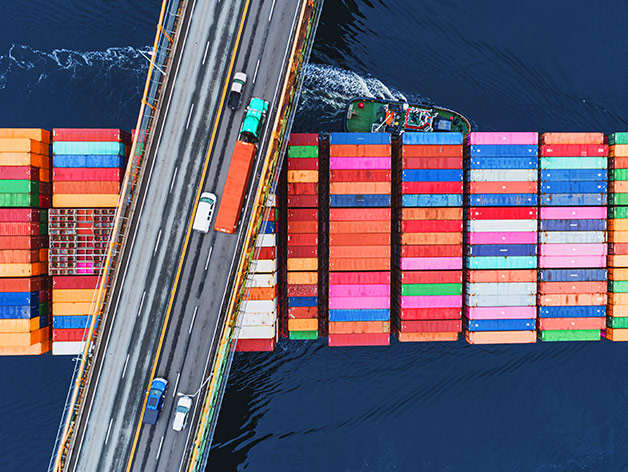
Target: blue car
point(156, 396)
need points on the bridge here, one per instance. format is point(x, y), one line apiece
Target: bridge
point(168, 298)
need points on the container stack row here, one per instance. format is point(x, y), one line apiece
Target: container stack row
point(359, 239)
point(501, 238)
point(258, 312)
point(302, 237)
point(24, 283)
point(573, 249)
point(617, 309)
point(429, 242)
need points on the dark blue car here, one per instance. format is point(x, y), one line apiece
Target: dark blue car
point(155, 402)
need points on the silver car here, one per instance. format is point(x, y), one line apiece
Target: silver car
point(237, 90)
point(181, 413)
point(204, 212)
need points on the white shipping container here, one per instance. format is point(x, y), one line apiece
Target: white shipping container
point(261, 280)
point(271, 201)
point(258, 319)
point(511, 226)
point(503, 175)
point(266, 240)
point(67, 348)
point(257, 332)
point(509, 288)
point(570, 237)
point(504, 299)
point(263, 266)
point(258, 306)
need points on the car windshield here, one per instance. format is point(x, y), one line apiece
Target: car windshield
point(182, 409)
point(206, 200)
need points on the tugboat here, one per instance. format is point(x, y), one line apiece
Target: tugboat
point(371, 115)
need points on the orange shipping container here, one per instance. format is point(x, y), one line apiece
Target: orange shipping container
point(23, 270)
point(24, 145)
point(617, 236)
point(359, 227)
point(423, 337)
point(619, 150)
point(302, 227)
point(368, 239)
point(44, 175)
point(494, 276)
point(24, 159)
point(359, 264)
point(74, 295)
point(310, 324)
point(432, 150)
point(302, 264)
point(85, 187)
point(24, 339)
point(500, 337)
point(418, 239)
point(359, 150)
point(572, 287)
point(298, 278)
point(619, 186)
point(303, 176)
point(349, 252)
point(618, 274)
point(549, 324)
point(617, 298)
point(359, 214)
point(84, 201)
point(35, 134)
point(359, 188)
point(19, 326)
point(580, 299)
point(21, 285)
point(572, 138)
point(71, 309)
point(19, 255)
point(618, 261)
point(302, 312)
point(262, 293)
point(33, 350)
point(358, 327)
point(618, 311)
point(431, 214)
point(617, 334)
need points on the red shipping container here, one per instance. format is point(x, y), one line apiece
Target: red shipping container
point(432, 150)
point(74, 281)
point(430, 314)
point(574, 150)
point(571, 323)
point(349, 252)
point(24, 215)
point(494, 276)
point(19, 173)
point(370, 339)
point(255, 345)
point(45, 201)
point(19, 229)
point(303, 139)
point(302, 240)
point(296, 227)
point(431, 276)
point(432, 163)
point(93, 134)
point(302, 164)
point(414, 188)
point(431, 326)
point(368, 239)
point(270, 214)
point(266, 253)
point(572, 287)
point(87, 174)
point(618, 162)
point(302, 290)
point(502, 187)
point(302, 215)
point(431, 226)
point(303, 312)
point(502, 213)
point(358, 278)
point(359, 214)
point(68, 335)
point(453, 250)
point(303, 252)
point(302, 201)
point(359, 175)
point(21, 284)
point(302, 189)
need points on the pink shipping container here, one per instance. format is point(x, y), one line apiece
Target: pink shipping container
point(573, 249)
point(439, 301)
point(87, 174)
point(573, 213)
point(504, 238)
point(25, 215)
point(74, 281)
point(431, 263)
point(564, 262)
point(503, 138)
point(359, 278)
point(500, 313)
point(379, 290)
point(359, 163)
point(357, 303)
point(94, 134)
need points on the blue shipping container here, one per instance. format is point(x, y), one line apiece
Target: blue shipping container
point(572, 225)
point(595, 311)
point(359, 138)
point(502, 262)
point(380, 201)
point(359, 315)
point(500, 325)
point(19, 298)
point(89, 147)
point(268, 227)
point(573, 187)
point(503, 199)
point(18, 312)
point(502, 150)
point(72, 322)
point(85, 160)
point(431, 138)
point(490, 250)
point(573, 199)
point(572, 275)
point(302, 301)
point(421, 175)
point(574, 175)
point(503, 163)
point(439, 200)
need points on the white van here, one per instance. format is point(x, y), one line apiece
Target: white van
point(204, 212)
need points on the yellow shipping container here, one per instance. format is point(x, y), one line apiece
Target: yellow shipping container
point(73, 295)
point(94, 200)
point(28, 133)
point(24, 159)
point(303, 325)
point(297, 278)
point(23, 270)
point(302, 176)
point(302, 264)
point(423, 337)
point(24, 145)
point(32, 350)
point(25, 339)
point(69, 309)
point(19, 326)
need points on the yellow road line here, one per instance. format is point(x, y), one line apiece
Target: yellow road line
point(189, 230)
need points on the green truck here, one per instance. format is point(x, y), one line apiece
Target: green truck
point(253, 119)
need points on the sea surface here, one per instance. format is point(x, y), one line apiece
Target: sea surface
point(507, 65)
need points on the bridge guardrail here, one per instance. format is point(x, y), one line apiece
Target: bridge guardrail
point(159, 62)
point(302, 47)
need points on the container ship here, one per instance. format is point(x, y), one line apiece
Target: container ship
point(372, 115)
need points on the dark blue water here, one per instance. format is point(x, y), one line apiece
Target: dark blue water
point(507, 65)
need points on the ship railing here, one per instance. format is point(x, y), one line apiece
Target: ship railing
point(159, 61)
point(304, 32)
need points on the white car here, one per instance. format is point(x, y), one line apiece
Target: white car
point(204, 212)
point(237, 90)
point(181, 413)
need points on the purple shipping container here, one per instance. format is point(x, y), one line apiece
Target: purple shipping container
point(503, 138)
point(359, 303)
point(574, 249)
point(573, 213)
point(529, 237)
point(360, 163)
point(379, 290)
point(431, 263)
point(439, 301)
point(564, 262)
point(500, 313)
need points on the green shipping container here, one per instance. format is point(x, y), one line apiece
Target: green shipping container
point(43, 309)
point(618, 174)
point(303, 151)
point(296, 335)
point(22, 200)
point(618, 198)
point(617, 322)
point(43, 228)
point(43, 216)
point(19, 186)
point(100, 148)
point(573, 163)
point(431, 289)
point(570, 335)
point(618, 138)
point(618, 212)
point(616, 286)
point(501, 262)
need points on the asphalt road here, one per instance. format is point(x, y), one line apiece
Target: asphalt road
point(175, 157)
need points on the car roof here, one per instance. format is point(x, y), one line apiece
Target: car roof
point(258, 104)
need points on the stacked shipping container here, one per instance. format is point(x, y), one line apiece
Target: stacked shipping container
point(258, 313)
point(359, 239)
point(302, 237)
point(572, 251)
point(501, 247)
point(24, 284)
point(429, 284)
point(617, 310)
